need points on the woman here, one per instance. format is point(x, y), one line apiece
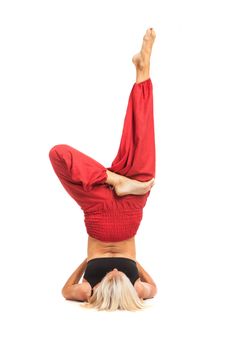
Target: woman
point(112, 200)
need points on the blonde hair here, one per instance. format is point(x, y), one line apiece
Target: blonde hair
point(116, 293)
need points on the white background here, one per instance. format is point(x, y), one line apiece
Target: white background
point(66, 74)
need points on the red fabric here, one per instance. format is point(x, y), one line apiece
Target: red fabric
point(107, 216)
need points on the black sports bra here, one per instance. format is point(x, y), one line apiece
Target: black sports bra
point(98, 267)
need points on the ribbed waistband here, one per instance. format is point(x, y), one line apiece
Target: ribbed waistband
point(113, 225)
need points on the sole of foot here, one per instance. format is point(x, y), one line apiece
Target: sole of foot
point(129, 186)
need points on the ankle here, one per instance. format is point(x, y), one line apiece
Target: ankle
point(113, 178)
point(143, 72)
point(142, 76)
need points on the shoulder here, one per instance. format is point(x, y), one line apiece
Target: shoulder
point(145, 290)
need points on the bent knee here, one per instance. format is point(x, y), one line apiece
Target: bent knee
point(57, 151)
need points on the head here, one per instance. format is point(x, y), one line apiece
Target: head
point(114, 292)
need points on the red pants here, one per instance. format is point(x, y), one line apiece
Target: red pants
point(109, 217)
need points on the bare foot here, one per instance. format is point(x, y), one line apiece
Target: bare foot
point(142, 59)
point(126, 186)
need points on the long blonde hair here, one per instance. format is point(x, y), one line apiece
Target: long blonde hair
point(116, 293)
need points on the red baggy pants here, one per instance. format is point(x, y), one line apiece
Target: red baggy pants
point(109, 217)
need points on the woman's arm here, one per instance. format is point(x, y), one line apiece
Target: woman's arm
point(74, 291)
point(144, 276)
point(147, 287)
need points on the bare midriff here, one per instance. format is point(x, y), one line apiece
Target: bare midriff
point(99, 249)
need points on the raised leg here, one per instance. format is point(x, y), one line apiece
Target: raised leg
point(136, 155)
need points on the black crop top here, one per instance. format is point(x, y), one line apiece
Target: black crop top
point(98, 267)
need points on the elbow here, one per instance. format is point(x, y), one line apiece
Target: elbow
point(64, 293)
point(151, 291)
point(154, 291)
